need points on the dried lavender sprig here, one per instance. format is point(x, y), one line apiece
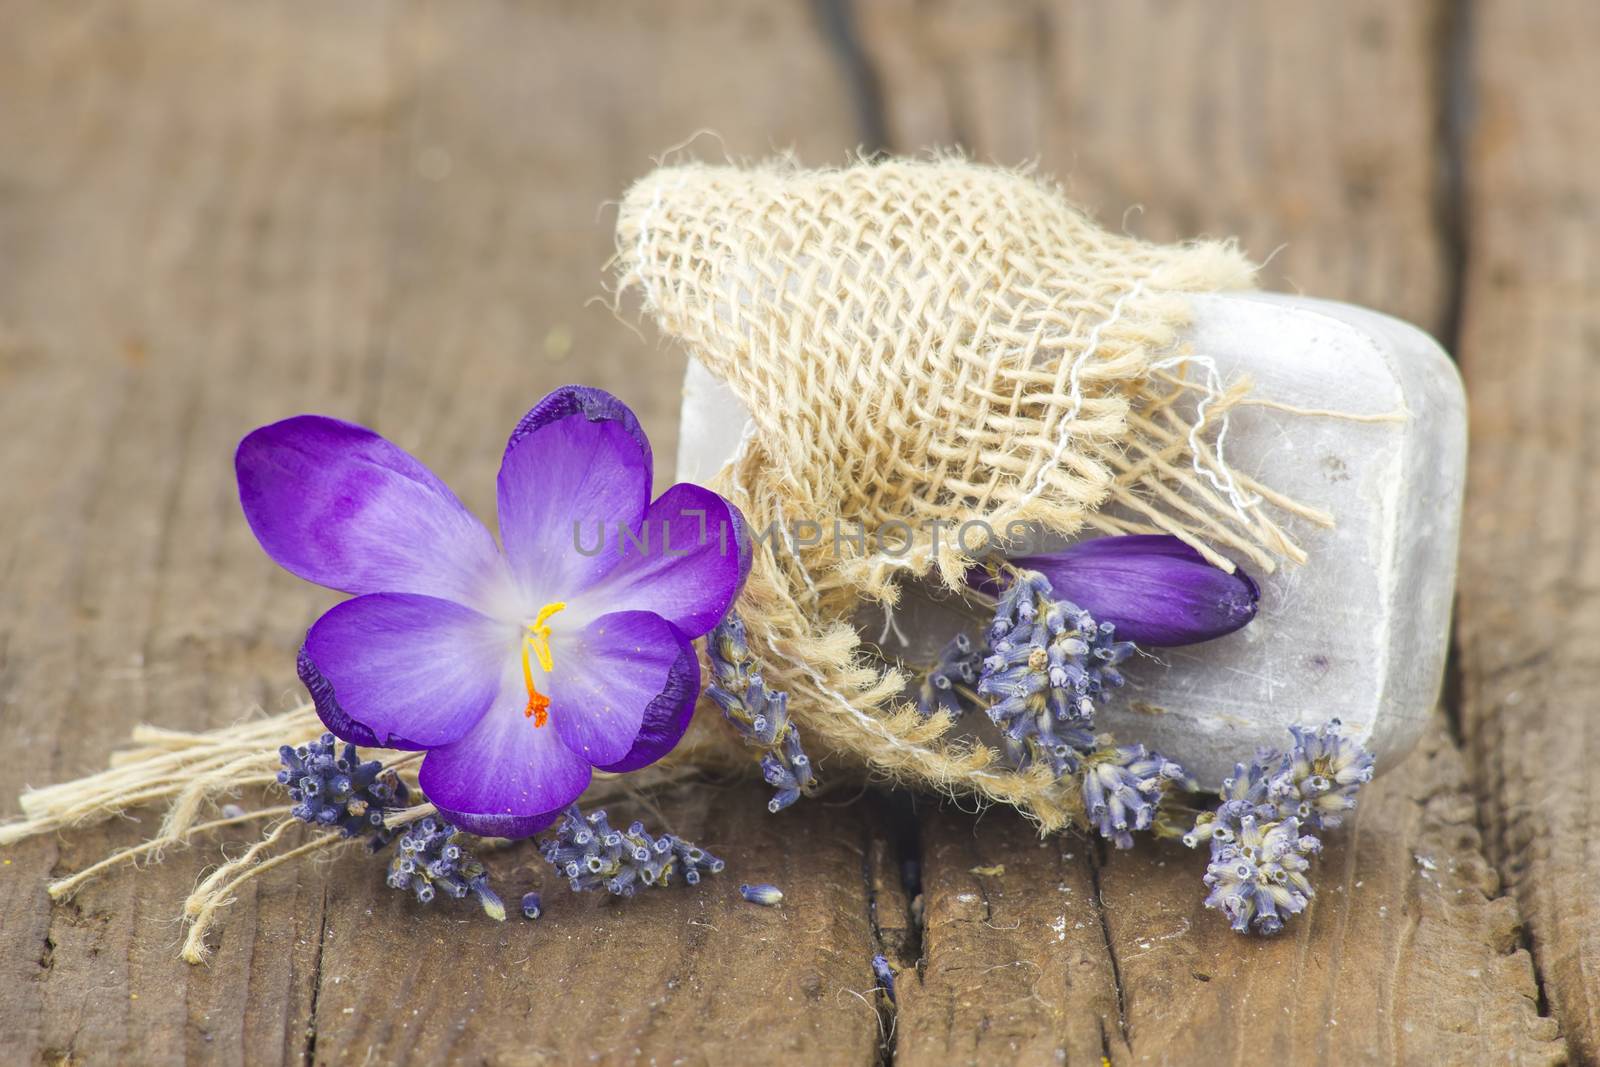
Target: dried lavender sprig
point(952, 675)
point(431, 861)
point(1080, 655)
point(1048, 663)
point(1315, 782)
point(1320, 776)
point(593, 855)
point(337, 790)
point(1258, 878)
point(761, 715)
point(1124, 785)
point(1243, 793)
point(1259, 854)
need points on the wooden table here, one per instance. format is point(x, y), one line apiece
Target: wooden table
point(214, 216)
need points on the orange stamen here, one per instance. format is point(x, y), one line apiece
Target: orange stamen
point(538, 707)
point(536, 643)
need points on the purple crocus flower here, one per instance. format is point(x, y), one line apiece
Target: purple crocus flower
point(1153, 588)
point(517, 670)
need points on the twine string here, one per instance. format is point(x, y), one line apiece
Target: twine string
point(1221, 478)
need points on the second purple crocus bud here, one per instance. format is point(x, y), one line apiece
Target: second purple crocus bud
point(1155, 589)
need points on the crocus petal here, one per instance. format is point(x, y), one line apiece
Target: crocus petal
point(337, 504)
point(1154, 588)
point(668, 715)
point(687, 564)
point(506, 777)
point(575, 471)
point(511, 826)
point(593, 404)
point(407, 666)
point(609, 675)
point(332, 715)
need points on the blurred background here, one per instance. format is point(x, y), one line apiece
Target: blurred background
point(214, 215)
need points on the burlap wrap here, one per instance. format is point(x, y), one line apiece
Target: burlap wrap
point(924, 342)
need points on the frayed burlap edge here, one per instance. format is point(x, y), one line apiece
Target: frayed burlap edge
point(923, 340)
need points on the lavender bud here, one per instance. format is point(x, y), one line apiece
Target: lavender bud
point(885, 976)
point(762, 893)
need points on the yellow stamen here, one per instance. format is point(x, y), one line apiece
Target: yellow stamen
point(537, 642)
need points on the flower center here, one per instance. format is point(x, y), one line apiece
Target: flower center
point(536, 645)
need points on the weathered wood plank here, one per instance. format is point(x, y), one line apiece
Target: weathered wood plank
point(1529, 613)
point(1015, 967)
point(694, 976)
point(1307, 130)
point(128, 210)
point(388, 212)
point(1409, 953)
point(1316, 125)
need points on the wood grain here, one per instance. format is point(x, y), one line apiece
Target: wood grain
point(1319, 126)
point(1530, 590)
point(689, 976)
point(388, 212)
point(1307, 130)
point(1015, 967)
point(1039, 952)
point(1409, 953)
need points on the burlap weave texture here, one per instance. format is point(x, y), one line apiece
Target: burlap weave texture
point(921, 345)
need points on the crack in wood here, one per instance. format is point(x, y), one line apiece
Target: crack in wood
point(1455, 103)
point(47, 958)
point(309, 1057)
point(1457, 114)
point(916, 912)
point(1095, 855)
point(1453, 80)
point(836, 19)
point(875, 835)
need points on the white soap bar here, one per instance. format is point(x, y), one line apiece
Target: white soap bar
point(1359, 632)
